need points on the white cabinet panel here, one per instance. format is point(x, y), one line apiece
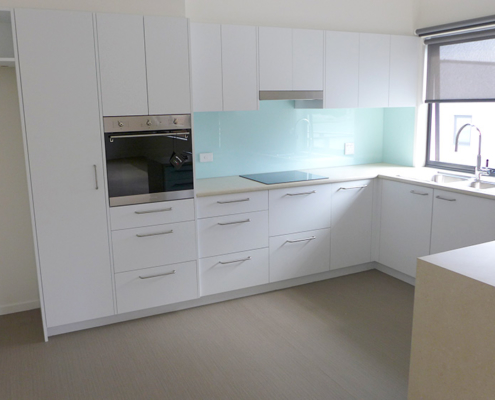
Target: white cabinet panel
point(167, 62)
point(299, 254)
point(206, 60)
point(232, 233)
point(152, 246)
point(307, 59)
point(275, 52)
point(342, 70)
point(406, 212)
point(374, 69)
point(352, 208)
point(153, 287)
point(239, 68)
point(461, 220)
point(233, 271)
point(122, 64)
point(57, 68)
point(211, 206)
point(300, 209)
point(405, 53)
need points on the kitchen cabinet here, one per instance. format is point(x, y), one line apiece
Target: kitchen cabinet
point(461, 220)
point(63, 140)
point(224, 67)
point(144, 64)
point(406, 212)
point(290, 59)
point(7, 58)
point(352, 209)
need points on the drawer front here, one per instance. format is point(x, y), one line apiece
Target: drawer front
point(300, 209)
point(299, 254)
point(149, 214)
point(232, 233)
point(238, 203)
point(152, 246)
point(233, 271)
point(153, 287)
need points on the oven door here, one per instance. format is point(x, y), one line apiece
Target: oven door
point(144, 167)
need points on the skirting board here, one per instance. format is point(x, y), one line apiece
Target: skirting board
point(19, 307)
point(396, 274)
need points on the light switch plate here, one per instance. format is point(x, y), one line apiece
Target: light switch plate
point(348, 149)
point(205, 157)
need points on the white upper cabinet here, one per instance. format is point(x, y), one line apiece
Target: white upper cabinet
point(307, 59)
point(341, 70)
point(122, 64)
point(405, 54)
point(275, 51)
point(167, 61)
point(374, 70)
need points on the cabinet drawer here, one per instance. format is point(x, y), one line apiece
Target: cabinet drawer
point(138, 215)
point(299, 254)
point(232, 233)
point(300, 209)
point(234, 271)
point(153, 287)
point(238, 203)
point(153, 246)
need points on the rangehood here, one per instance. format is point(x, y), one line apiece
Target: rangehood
point(291, 94)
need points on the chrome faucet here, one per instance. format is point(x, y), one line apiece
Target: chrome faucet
point(479, 170)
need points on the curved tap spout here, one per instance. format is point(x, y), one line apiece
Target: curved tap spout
point(478, 160)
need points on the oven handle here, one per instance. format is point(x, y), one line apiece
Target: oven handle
point(175, 135)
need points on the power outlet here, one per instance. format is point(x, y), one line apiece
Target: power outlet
point(348, 149)
point(205, 157)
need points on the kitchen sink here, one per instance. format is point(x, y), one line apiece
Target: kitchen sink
point(481, 185)
point(446, 178)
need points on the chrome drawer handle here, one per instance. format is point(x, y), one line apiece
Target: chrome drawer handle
point(153, 211)
point(300, 194)
point(233, 201)
point(445, 198)
point(157, 275)
point(353, 187)
point(96, 177)
point(419, 193)
point(235, 261)
point(301, 240)
point(235, 222)
point(155, 234)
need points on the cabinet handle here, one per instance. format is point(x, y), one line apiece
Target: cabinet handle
point(300, 194)
point(419, 193)
point(157, 275)
point(445, 198)
point(156, 234)
point(235, 261)
point(233, 201)
point(96, 176)
point(353, 187)
point(235, 222)
point(301, 240)
point(153, 211)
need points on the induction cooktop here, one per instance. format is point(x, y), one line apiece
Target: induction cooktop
point(272, 178)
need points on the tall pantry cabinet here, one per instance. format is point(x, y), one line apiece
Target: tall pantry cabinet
point(62, 124)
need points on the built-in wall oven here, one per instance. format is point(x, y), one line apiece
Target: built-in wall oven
point(148, 158)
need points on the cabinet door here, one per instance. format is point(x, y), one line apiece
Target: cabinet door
point(275, 50)
point(307, 59)
point(122, 64)
point(352, 207)
point(405, 225)
point(374, 65)
point(341, 70)
point(57, 67)
point(167, 63)
point(461, 220)
point(206, 63)
point(239, 68)
point(405, 53)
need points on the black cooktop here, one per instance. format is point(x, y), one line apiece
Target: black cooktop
point(271, 178)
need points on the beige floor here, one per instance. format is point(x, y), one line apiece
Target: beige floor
point(345, 338)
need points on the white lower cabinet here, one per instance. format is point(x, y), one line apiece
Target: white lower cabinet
point(153, 287)
point(233, 271)
point(299, 254)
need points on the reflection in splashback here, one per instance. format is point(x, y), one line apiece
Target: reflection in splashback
point(279, 137)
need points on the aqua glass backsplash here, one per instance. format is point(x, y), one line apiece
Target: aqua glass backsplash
point(279, 137)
